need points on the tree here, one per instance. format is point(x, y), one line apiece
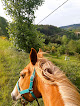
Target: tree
point(71, 47)
point(21, 30)
point(3, 27)
point(64, 40)
point(78, 46)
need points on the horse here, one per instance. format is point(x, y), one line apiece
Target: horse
point(41, 78)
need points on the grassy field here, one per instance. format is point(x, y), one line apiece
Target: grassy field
point(13, 61)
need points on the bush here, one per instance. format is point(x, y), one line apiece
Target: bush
point(61, 49)
point(77, 55)
point(51, 47)
point(24, 37)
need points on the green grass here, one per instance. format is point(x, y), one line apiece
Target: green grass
point(11, 63)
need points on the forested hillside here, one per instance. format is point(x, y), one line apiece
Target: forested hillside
point(53, 34)
point(50, 30)
point(74, 27)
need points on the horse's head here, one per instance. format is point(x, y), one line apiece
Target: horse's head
point(42, 78)
point(26, 86)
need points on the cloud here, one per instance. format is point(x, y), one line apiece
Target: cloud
point(66, 15)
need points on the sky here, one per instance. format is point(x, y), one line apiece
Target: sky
point(68, 14)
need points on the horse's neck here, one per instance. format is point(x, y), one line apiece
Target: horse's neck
point(50, 95)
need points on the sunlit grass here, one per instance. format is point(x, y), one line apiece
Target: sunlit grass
point(11, 63)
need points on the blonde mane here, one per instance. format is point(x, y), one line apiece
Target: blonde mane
point(51, 74)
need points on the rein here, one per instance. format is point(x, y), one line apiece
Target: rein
point(29, 90)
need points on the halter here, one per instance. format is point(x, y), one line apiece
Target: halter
point(29, 90)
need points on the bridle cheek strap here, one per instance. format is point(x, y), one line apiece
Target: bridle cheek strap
point(29, 90)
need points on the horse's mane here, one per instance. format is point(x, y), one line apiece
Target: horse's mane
point(51, 74)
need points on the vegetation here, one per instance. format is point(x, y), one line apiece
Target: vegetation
point(63, 47)
point(21, 31)
point(3, 27)
point(60, 41)
point(74, 27)
point(54, 34)
point(13, 61)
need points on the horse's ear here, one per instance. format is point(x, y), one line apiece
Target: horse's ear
point(33, 56)
point(40, 50)
point(40, 53)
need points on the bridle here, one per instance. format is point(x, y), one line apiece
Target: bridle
point(29, 90)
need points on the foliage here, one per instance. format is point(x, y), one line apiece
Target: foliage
point(78, 46)
point(22, 10)
point(51, 47)
point(26, 38)
point(3, 27)
point(64, 39)
point(22, 32)
point(73, 47)
point(74, 27)
point(61, 49)
point(54, 34)
point(77, 55)
point(48, 30)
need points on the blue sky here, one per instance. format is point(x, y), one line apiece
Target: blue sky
point(68, 14)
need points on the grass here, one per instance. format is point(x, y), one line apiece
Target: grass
point(11, 63)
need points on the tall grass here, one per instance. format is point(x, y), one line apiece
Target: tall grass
point(11, 63)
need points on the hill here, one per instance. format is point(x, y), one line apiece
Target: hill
point(50, 30)
point(53, 33)
point(74, 27)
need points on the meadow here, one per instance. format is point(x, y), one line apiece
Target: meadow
point(13, 61)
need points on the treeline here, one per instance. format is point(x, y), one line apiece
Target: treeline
point(48, 37)
point(74, 27)
point(53, 33)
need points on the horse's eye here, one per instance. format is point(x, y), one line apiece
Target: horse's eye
point(23, 75)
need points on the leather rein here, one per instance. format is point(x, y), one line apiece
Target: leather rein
point(29, 90)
